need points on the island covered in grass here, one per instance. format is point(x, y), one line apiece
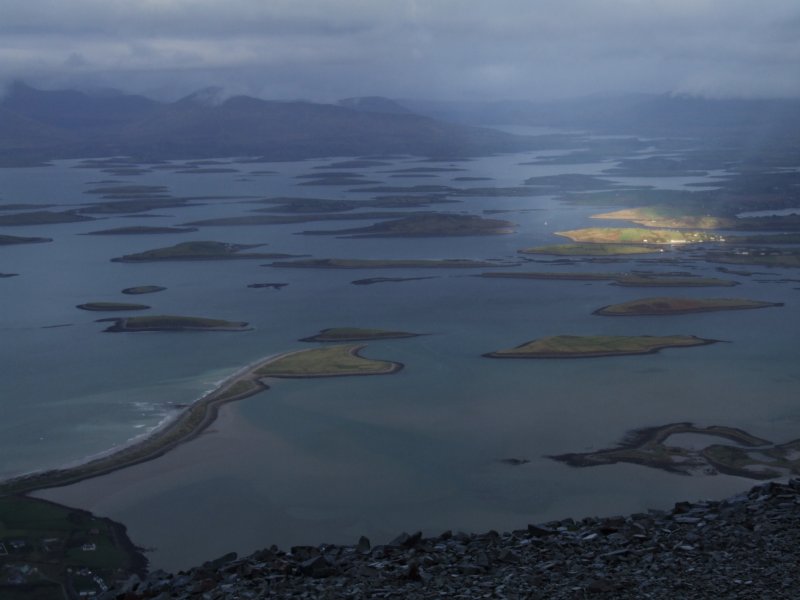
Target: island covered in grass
point(200, 251)
point(48, 549)
point(631, 279)
point(427, 225)
point(590, 249)
point(679, 306)
point(111, 306)
point(389, 263)
point(143, 289)
point(357, 334)
point(10, 240)
point(141, 230)
point(331, 361)
point(173, 323)
point(749, 456)
point(594, 346)
point(639, 235)
point(374, 280)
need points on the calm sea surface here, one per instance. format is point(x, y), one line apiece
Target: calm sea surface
point(328, 460)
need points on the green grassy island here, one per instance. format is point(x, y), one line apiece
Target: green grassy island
point(638, 235)
point(331, 361)
point(49, 549)
point(427, 225)
point(111, 306)
point(590, 249)
point(374, 280)
point(366, 263)
point(143, 289)
point(593, 346)
point(173, 323)
point(199, 251)
point(751, 457)
point(632, 279)
point(357, 334)
point(141, 230)
point(679, 306)
point(10, 240)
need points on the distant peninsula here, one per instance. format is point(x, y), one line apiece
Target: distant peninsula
point(595, 346)
point(141, 230)
point(389, 263)
point(590, 249)
point(10, 240)
point(200, 251)
point(357, 334)
point(630, 279)
point(172, 323)
point(679, 306)
point(331, 361)
point(111, 306)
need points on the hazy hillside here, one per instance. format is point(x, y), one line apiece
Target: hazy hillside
point(37, 125)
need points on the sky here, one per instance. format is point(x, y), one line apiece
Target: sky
point(435, 49)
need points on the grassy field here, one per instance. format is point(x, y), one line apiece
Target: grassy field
point(679, 306)
point(574, 346)
point(668, 216)
point(326, 362)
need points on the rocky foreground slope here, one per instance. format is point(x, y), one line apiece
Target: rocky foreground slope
point(747, 546)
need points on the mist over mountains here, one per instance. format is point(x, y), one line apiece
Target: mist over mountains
point(37, 125)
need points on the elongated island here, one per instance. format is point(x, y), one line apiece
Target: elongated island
point(595, 346)
point(330, 361)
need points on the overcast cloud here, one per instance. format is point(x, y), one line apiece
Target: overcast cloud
point(445, 49)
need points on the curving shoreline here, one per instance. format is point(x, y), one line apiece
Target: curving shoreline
point(173, 432)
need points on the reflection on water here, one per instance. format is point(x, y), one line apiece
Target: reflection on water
point(328, 460)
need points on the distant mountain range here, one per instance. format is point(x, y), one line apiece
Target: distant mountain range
point(38, 125)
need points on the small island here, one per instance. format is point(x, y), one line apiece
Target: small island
point(10, 240)
point(427, 225)
point(590, 249)
point(111, 306)
point(172, 323)
point(367, 263)
point(357, 334)
point(748, 456)
point(679, 306)
point(143, 289)
point(272, 286)
point(331, 361)
point(596, 346)
point(374, 280)
point(639, 235)
point(199, 251)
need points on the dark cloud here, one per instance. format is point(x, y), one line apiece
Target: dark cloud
point(325, 49)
